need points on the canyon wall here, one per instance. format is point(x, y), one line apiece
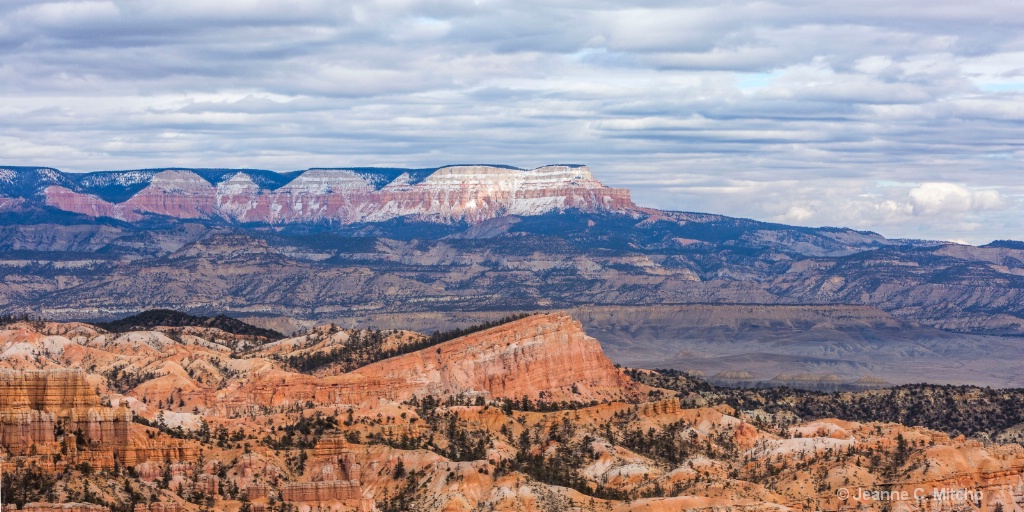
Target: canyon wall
point(37, 406)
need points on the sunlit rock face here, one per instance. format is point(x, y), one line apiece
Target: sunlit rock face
point(36, 405)
point(542, 355)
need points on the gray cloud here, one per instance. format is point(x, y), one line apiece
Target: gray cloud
point(877, 114)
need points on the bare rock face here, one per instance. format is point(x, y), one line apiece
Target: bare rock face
point(35, 404)
point(159, 507)
point(471, 193)
point(546, 355)
point(140, 449)
point(319, 492)
point(69, 200)
point(543, 356)
point(48, 391)
point(334, 479)
point(65, 507)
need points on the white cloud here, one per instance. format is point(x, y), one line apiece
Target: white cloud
point(792, 111)
point(795, 215)
point(951, 198)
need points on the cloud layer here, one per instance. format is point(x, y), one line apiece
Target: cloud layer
point(875, 115)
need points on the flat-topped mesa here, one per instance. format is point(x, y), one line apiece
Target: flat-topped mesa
point(460, 193)
point(547, 357)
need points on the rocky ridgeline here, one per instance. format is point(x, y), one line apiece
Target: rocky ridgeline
point(544, 356)
point(470, 193)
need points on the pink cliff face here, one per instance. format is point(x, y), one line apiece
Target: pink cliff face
point(450, 194)
point(542, 355)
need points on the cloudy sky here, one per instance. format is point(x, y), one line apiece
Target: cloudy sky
point(904, 117)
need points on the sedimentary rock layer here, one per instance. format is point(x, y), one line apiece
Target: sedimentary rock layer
point(543, 356)
point(36, 405)
point(469, 193)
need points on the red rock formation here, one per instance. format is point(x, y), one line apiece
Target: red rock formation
point(320, 492)
point(336, 460)
point(139, 449)
point(159, 507)
point(208, 484)
point(148, 471)
point(457, 193)
point(34, 405)
point(181, 194)
point(257, 490)
point(543, 356)
point(49, 391)
point(69, 200)
point(8, 204)
point(64, 507)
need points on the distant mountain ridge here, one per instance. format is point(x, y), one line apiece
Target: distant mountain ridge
point(461, 245)
point(169, 318)
point(470, 193)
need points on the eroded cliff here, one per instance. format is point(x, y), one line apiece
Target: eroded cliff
point(470, 193)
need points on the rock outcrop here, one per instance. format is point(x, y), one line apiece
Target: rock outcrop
point(47, 391)
point(546, 357)
point(159, 507)
point(65, 507)
point(37, 405)
point(321, 492)
point(543, 356)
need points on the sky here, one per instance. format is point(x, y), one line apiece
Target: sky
point(901, 117)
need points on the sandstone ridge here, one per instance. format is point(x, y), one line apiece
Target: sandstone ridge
point(545, 356)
